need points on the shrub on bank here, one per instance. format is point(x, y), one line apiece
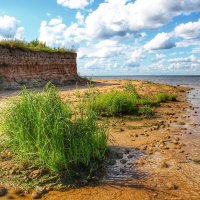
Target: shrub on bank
point(126, 101)
point(119, 102)
point(163, 97)
point(40, 126)
point(148, 102)
point(129, 87)
point(146, 111)
point(114, 103)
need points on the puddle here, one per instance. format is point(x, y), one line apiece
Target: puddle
point(121, 165)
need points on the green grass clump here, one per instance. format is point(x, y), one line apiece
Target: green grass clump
point(34, 45)
point(146, 111)
point(163, 97)
point(148, 102)
point(119, 102)
point(114, 103)
point(129, 87)
point(40, 126)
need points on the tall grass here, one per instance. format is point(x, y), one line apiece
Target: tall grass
point(114, 103)
point(34, 45)
point(146, 111)
point(40, 126)
point(126, 101)
point(163, 97)
point(148, 102)
point(129, 87)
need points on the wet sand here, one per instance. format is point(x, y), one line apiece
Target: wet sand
point(156, 158)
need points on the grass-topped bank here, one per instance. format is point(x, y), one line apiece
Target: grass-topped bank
point(40, 127)
point(34, 45)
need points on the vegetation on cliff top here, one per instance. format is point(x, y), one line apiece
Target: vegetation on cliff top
point(34, 45)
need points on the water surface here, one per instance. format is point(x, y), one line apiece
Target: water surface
point(172, 80)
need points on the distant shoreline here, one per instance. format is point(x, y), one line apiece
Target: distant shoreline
point(175, 80)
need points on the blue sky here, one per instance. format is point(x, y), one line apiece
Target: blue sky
point(112, 37)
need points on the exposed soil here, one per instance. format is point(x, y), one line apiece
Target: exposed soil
point(157, 158)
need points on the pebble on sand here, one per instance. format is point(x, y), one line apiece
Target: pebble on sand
point(171, 186)
point(3, 191)
point(36, 195)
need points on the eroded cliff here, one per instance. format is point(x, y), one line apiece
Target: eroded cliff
point(20, 67)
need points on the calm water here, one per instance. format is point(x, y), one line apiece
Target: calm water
point(172, 80)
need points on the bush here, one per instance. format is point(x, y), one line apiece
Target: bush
point(40, 126)
point(146, 111)
point(130, 88)
point(163, 97)
point(114, 103)
point(148, 102)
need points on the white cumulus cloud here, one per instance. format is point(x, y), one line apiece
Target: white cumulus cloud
point(121, 17)
point(190, 30)
point(189, 33)
point(80, 18)
point(160, 41)
point(56, 33)
point(190, 59)
point(10, 28)
point(160, 56)
point(74, 4)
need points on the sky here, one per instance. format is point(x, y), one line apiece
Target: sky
point(112, 37)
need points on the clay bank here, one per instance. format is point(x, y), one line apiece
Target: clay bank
point(31, 68)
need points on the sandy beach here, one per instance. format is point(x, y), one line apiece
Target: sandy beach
point(156, 158)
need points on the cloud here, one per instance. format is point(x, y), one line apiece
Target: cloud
point(112, 36)
point(190, 59)
point(158, 66)
point(160, 56)
point(80, 18)
point(196, 50)
point(74, 4)
point(10, 28)
point(189, 33)
point(137, 55)
point(132, 63)
point(102, 66)
point(122, 17)
point(184, 66)
point(190, 30)
point(178, 65)
point(102, 49)
point(160, 41)
point(56, 33)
